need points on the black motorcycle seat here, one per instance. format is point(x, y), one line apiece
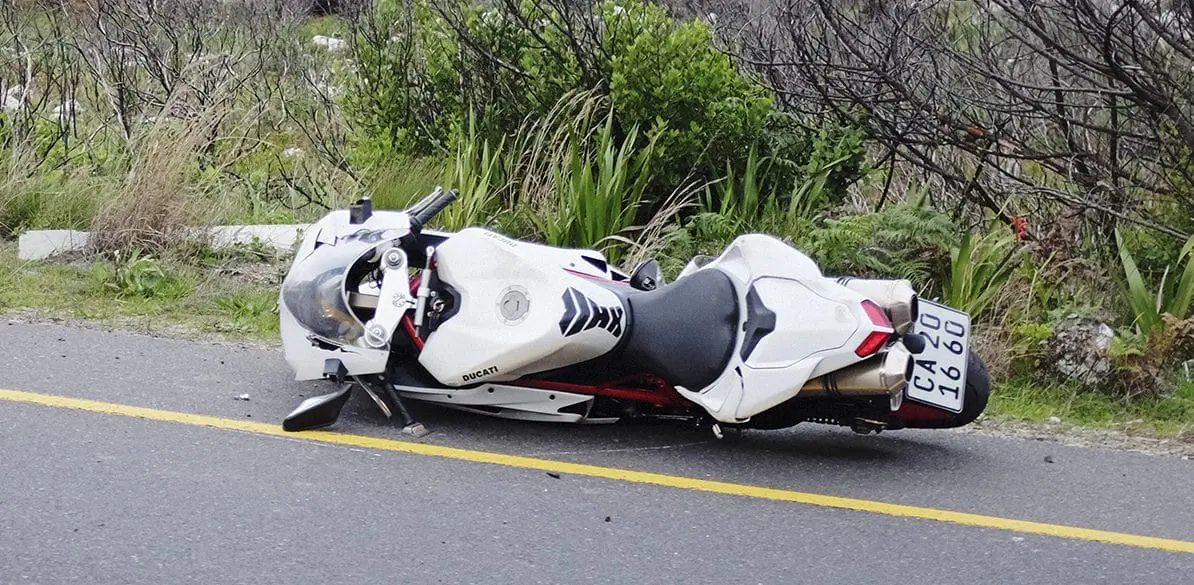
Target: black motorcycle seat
point(684, 332)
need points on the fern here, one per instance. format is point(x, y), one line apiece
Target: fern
point(909, 241)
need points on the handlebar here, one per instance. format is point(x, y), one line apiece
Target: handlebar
point(430, 206)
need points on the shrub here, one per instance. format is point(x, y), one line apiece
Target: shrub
point(599, 187)
point(156, 205)
point(668, 76)
point(422, 70)
point(1144, 362)
point(476, 171)
point(398, 93)
point(910, 240)
point(1028, 347)
point(135, 275)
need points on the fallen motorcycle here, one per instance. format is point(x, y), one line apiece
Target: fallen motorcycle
point(754, 338)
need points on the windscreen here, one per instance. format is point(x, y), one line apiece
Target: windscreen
point(314, 290)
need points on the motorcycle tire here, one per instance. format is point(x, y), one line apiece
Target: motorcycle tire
point(978, 392)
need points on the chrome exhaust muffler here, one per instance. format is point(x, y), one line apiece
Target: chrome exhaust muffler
point(897, 297)
point(883, 374)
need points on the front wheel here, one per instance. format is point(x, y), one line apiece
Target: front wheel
point(913, 415)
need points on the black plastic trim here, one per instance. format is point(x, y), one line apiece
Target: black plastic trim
point(759, 322)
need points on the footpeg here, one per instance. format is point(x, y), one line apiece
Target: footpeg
point(415, 430)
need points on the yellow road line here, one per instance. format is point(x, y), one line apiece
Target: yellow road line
point(642, 477)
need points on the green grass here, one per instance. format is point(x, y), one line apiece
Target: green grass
point(401, 184)
point(1020, 400)
point(187, 300)
point(328, 26)
point(50, 202)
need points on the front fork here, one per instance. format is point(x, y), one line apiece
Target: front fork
point(394, 302)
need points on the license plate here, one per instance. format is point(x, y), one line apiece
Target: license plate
point(939, 376)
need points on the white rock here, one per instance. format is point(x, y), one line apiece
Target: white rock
point(292, 152)
point(40, 244)
point(13, 100)
point(332, 44)
point(244, 397)
point(9, 105)
point(67, 110)
point(1080, 350)
point(1054, 420)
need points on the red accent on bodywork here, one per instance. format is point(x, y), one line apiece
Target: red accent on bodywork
point(913, 412)
point(408, 322)
point(877, 314)
point(595, 277)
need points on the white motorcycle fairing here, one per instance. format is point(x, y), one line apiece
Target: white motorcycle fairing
point(736, 344)
point(523, 308)
point(798, 325)
point(312, 306)
point(328, 249)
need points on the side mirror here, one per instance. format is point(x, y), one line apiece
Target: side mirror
point(648, 276)
point(318, 411)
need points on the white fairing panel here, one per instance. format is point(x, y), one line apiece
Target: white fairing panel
point(810, 324)
point(523, 309)
point(818, 323)
point(505, 401)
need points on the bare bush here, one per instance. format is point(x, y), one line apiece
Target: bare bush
point(157, 205)
point(1023, 107)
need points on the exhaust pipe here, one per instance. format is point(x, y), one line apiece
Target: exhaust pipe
point(897, 297)
point(883, 374)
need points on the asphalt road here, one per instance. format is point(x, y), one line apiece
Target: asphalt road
point(87, 497)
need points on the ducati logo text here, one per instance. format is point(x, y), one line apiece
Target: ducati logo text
point(480, 373)
point(582, 314)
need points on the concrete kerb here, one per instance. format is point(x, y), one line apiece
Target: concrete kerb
point(42, 244)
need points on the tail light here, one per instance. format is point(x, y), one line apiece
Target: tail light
point(881, 332)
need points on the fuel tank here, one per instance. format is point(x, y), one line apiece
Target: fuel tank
point(523, 308)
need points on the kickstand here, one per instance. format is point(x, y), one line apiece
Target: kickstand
point(410, 426)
